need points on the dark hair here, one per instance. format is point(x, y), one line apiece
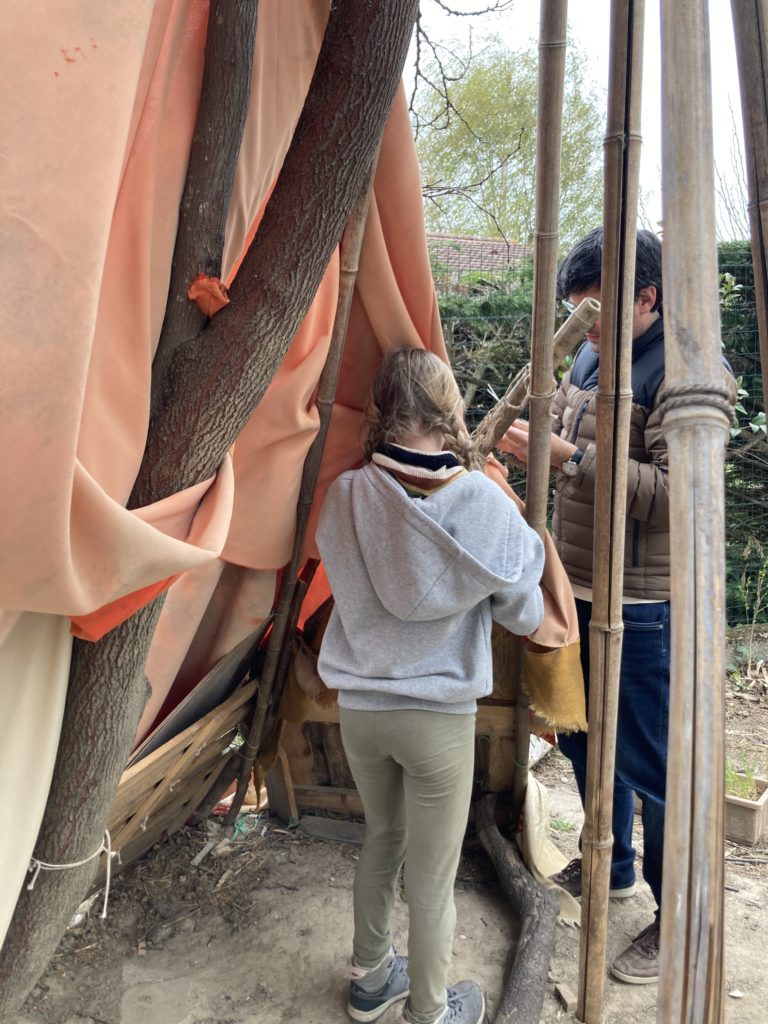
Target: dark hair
point(581, 268)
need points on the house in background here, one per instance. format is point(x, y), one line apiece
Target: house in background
point(453, 256)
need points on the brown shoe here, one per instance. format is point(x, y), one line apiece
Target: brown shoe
point(639, 963)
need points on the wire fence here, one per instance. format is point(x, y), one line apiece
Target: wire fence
point(486, 351)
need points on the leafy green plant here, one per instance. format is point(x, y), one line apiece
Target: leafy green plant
point(561, 825)
point(753, 588)
point(740, 782)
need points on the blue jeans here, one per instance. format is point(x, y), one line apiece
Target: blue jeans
point(641, 738)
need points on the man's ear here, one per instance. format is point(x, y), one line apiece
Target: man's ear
point(646, 298)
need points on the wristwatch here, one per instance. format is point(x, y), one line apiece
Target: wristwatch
point(571, 467)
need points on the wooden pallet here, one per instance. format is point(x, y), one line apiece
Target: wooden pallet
point(158, 794)
point(311, 774)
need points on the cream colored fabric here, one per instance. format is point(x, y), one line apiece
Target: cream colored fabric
point(541, 856)
point(34, 667)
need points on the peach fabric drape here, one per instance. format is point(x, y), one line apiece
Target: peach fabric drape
point(96, 143)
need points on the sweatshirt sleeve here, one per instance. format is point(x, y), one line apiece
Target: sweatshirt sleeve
point(519, 605)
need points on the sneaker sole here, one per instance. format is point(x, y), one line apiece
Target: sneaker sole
point(369, 1015)
point(623, 894)
point(632, 979)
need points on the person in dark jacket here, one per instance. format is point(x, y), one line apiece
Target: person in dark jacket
point(641, 747)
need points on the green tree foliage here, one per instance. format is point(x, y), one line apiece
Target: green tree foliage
point(477, 145)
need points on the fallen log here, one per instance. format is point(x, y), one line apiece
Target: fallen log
point(536, 911)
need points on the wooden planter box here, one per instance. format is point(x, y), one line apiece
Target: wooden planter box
point(746, 821)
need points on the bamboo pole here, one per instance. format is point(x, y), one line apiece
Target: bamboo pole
point(553, 30)
point(291, 590)
point(614, 398)
point(696, 421)
point(497, 421)
point(750, 31)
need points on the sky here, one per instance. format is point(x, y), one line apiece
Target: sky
point(588, 23)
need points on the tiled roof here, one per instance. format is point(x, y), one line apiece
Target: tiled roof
point(454, 254)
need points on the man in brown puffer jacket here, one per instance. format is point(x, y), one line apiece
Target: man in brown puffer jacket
point(641, 747)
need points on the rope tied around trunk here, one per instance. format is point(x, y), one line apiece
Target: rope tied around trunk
point(695, 394)
point(36, 866)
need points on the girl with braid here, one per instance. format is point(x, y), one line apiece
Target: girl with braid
point(422, 552)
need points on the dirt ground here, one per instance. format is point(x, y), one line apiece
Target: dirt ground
point(259, 932)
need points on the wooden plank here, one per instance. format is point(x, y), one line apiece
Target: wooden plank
point(186, 765)
point(329, 798)
point(127, 801)
point(339, 774)
point(139, 778)
point(282, 799)
point(173, 798)
point(331, 828)
point(167, 819)
point(501, 763)
point(300, 754)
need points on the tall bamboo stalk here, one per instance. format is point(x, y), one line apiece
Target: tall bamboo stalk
point(553, 29)
point(288, 605)
point(750, 30)
point(614, 398)
point(696, 425)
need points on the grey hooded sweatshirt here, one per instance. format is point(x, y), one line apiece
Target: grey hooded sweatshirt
point(416, 583)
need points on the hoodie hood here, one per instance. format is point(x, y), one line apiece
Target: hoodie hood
point(420, 567)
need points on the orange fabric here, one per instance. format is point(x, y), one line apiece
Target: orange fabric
point(99, 623)
point(209, 294)
point(76, 378)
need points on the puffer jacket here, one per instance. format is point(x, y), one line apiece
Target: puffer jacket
point(646, 544)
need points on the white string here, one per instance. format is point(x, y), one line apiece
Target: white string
point(36, 866)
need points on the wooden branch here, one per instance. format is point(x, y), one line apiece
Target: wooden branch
point(286, 615)
point(535, 909)
point(614, 401)
point(233, 361)
point(750, 31)
point(211, 172)
point(495, 423)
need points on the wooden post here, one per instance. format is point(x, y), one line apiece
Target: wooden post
point(614, 398)
point(696, 422)
point(288, 606)
point(553, 29)
point(750, 31)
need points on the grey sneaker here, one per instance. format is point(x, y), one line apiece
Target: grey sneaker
point(465, 1005)
point(373, 991)
point(639, 963)
point(570, 880)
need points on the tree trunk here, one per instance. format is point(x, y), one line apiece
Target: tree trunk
point(212, 385)
point(536, 911)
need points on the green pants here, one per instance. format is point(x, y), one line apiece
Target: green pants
point(413, 770)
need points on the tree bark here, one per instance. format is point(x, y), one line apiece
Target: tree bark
point(232, 362)
point(212, 385)
point(536, 910)
point(224, 99)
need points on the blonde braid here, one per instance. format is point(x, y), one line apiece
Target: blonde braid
point(414, 392)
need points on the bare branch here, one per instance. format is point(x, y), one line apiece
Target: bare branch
point(495, 8)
